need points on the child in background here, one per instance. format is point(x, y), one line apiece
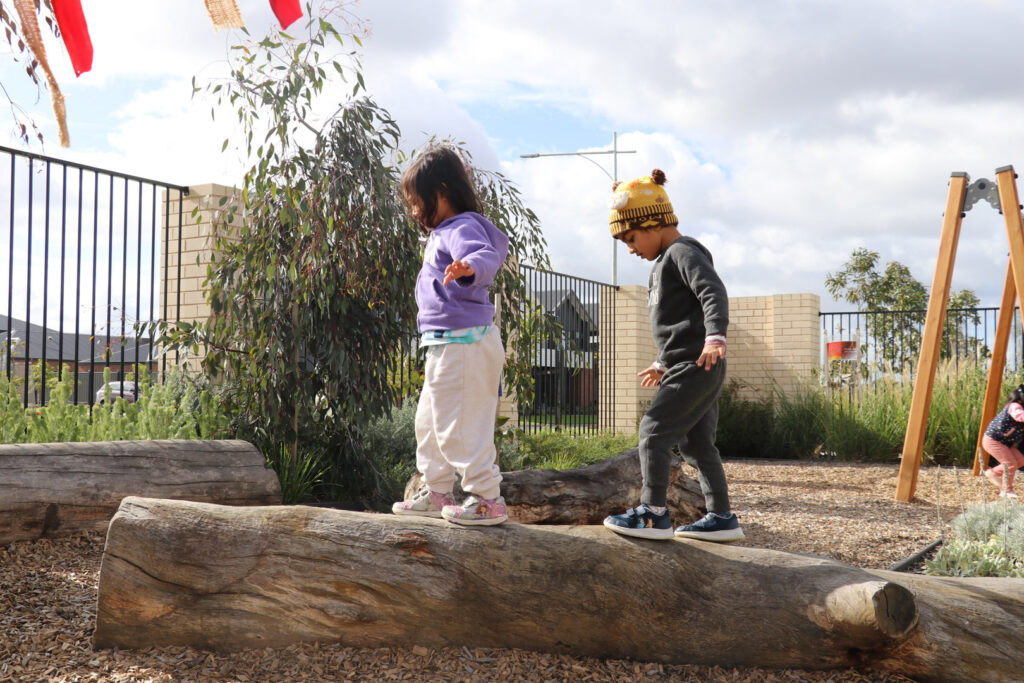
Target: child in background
point(456, 411)
point(1000, 439)
point(689, 311)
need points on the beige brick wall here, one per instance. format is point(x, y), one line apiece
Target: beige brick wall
point(190, 249)
point(774, 342)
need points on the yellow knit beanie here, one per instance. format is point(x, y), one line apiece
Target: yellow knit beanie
point(640, 203)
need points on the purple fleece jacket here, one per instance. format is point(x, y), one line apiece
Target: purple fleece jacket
point(464, 302)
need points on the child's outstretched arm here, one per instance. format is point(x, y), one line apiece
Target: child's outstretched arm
point(651, 375)
point(457, 269)
point(713, 351)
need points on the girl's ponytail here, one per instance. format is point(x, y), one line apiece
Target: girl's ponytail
point(1017, 395)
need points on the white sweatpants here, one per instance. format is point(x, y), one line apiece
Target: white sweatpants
point(455, 416)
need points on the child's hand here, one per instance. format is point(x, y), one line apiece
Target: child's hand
point(710, 355)
point(651, 376)
point(456, 270)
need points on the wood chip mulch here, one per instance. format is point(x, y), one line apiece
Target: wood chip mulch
point(48, 593)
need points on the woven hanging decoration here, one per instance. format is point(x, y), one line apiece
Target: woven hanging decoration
point(286, 11)
point(30, 32)
point(224, 14)
point(75, 33)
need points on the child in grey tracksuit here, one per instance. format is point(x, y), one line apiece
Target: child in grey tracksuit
point(689, 311)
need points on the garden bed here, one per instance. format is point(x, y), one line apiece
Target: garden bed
point(844, 511)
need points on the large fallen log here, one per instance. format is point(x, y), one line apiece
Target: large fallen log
point(56, 489)
point(222, 578)
point(586, 495)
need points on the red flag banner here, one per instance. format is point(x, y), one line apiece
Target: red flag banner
point(75, 33)
point(286, 11)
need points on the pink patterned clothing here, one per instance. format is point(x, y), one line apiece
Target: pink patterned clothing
point(1000, 439)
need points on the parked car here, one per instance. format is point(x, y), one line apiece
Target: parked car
point(129, 391)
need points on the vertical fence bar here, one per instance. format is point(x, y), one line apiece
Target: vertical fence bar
point(28, 287)
point(41, 389)
point(95, 262)
point(110, 278)
point(124, 282)
point(138, 291)
point(78, 285)
point(63, 247)
point(152, 284)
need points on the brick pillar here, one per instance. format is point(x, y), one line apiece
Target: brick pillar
point(774, 342)
point(634, 350)
point(183, 296)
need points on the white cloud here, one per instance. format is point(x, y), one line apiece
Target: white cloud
point(791, 133)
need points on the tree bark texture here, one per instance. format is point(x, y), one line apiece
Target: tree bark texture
point(57, 489)
point(228, 578)
point(586, 495)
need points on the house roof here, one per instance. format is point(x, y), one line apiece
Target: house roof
point(69, 347)
point(553, 299)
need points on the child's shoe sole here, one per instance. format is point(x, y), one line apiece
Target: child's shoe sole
point(652, 534)
point(395, 509)
point(725, 536)
point(477, 522)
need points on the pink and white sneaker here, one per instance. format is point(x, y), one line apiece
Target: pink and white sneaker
point(424, 504)
point(994, 478)
point(476, 511)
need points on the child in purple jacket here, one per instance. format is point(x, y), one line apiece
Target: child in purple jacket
point(459, 401)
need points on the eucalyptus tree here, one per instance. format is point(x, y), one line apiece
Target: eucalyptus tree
point(312, 285)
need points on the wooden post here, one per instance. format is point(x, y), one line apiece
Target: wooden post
point(1010, 203)
point(932, 338)
point(994, 385)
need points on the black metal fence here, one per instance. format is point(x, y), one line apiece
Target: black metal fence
point(82, 253)
point(892, 339)
point(572, 373)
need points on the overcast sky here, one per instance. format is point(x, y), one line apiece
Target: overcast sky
point(791, 132)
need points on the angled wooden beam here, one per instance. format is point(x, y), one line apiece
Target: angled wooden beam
point(932, 338)
point(994, 385)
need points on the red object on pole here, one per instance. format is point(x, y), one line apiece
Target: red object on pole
point(286, 11)
point(75, 33)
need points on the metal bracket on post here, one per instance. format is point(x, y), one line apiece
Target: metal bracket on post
point(982, 188)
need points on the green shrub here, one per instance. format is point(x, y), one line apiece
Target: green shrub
point(745, 426)
point(391, 443)
point(988, 541)
point(181, 407)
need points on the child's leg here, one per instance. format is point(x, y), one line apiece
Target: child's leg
point(438, 475)
point(700, 452)
point(463, 408)
point(686, 395)
point(1008, 462)
point(1011, 467)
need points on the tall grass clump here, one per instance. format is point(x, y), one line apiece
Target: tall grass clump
point(865, 423)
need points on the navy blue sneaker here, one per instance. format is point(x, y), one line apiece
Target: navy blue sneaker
point(713, 527)
point(642, 523)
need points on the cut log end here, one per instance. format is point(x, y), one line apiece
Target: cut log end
point(880, 613)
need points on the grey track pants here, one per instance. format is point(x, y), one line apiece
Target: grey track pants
point(684, 412)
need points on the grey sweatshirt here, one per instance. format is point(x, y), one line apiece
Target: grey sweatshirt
point(686, 300)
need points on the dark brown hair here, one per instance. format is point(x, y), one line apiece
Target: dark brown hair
point(439, 169)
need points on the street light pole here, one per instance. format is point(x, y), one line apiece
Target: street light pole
point(615, 152)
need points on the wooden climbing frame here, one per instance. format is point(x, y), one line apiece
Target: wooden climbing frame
point(1003, 196)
